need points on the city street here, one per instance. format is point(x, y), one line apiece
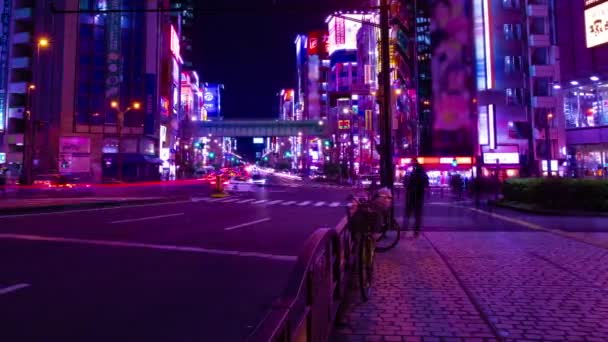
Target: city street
point(208, 269)
point(187, 270)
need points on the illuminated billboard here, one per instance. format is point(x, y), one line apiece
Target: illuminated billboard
point(211, 100)
point(343, 32)
point(596, 22)
point(318, 43)
point(174, 47)
point(453, 78)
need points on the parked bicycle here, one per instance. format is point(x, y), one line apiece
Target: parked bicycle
point(371, 232)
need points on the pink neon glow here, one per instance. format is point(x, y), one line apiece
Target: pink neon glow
point(175, 49)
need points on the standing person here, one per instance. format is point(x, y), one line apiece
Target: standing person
point(417, 183)
point(3, 181)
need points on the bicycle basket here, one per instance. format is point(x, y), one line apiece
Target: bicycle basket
point(365, 220)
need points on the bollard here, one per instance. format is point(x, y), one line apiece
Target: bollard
point(219, 188)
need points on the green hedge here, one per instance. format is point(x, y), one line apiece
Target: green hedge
point(559, 193)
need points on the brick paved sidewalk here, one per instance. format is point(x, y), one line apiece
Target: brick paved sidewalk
point(485, 286)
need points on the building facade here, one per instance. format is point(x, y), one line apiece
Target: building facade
point(521, 123)
point(584, 87)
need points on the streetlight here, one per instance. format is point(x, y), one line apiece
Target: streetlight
point(548, 143)
point(121, 118)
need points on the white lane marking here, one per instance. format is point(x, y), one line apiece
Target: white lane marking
point(260, 202)
point(275, 202)
point(289, 203)
point(13, 288)
point(231, 200)
point(125, 244)
point(95, 209)
point(334, 204)
point(146, 218)
point(245, 201)
point(301, 204)
point(226, 200)
point(318, 204)
point(247, 224)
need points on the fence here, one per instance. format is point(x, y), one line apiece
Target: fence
point(307, 309)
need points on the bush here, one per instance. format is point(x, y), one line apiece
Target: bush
point(559, 193)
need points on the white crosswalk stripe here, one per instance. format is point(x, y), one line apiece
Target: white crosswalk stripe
point(256, 201)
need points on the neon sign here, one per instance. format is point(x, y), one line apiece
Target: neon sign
point(175, 49)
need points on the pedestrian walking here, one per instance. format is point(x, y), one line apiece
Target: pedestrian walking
point(415, 187)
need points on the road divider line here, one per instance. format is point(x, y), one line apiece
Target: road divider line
point(301, 204)
point(260, 202)
point(146, 218)
point(334, 204)
point(245, 201)
point(63, 212)
point(320, 203)
point(230, 200)
point(125, 244)
point(13, 288)
point(275, 202)
point(289, 203)
point(246, 224)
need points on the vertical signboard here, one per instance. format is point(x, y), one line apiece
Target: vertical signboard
point(455, 119)
point(150, 114)
point(4, 44)
point(211, 100)
point(314, 98)
point(113, 57)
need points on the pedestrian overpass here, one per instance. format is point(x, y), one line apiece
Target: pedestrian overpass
point(260, 128)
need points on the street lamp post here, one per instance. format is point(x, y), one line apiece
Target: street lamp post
point(121, 119)
point(29, 138)
point(548, 142)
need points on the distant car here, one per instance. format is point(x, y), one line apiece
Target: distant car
point(258, 179)
point(61, 184)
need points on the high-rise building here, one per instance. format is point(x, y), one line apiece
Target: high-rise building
point(583, 46)
point(184, 22)
point(517, 66)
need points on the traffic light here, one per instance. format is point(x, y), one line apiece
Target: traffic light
point(287, 154)
point(199, 145)
point(454, 162)
point(265, 158)
point(327, 143)
point(211, 155)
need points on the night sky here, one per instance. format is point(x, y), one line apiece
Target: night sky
point(252, 52)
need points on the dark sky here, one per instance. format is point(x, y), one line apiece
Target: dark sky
point(253, 53)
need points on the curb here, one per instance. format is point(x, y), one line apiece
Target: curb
point(545, 212)
point(89, 205)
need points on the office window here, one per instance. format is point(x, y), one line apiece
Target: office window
point(513, 64)
point(515, 96)
point(511, 3)
point(512, 31)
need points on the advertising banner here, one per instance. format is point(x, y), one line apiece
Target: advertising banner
point(5, 21)
point(596, 22)
point(150, 105)
point(113, 57)
point(211, 100)
point(318, 43)
point(74, 145)
point(454, 114)
point(343, 32)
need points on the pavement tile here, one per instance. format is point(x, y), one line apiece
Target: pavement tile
point(529, 285)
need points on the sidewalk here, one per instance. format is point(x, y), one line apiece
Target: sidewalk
point(484, 286)
point(24, 205)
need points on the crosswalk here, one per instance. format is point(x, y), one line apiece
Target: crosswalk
point(254, 201)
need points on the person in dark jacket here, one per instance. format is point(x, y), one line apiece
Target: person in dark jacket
point(416, 185)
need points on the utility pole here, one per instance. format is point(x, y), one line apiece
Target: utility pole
point(386, 159)
point(119, 127)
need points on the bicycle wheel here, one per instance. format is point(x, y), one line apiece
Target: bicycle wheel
point(390, 235)
point(366, 266)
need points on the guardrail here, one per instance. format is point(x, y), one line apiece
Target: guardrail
point(315, 290)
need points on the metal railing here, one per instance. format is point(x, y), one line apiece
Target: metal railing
point(315, 290)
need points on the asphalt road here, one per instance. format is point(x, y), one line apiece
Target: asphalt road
point(195, 269)
point(190, 270)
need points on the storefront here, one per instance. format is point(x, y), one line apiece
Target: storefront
point(586, 112)
point(438, 169)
